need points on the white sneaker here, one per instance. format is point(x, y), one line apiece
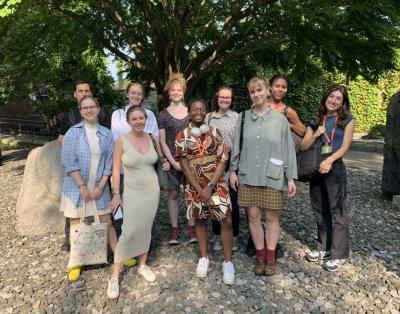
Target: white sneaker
point(334, 264)
point(318, 256)
point(146, 272)
point(202, 267)
point(228, 273)
point(235, 244)
point(113, 288)
point(217, 245)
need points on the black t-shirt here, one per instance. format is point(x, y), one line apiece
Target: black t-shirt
point(73, 117)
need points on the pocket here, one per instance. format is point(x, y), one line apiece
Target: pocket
point(274, 171)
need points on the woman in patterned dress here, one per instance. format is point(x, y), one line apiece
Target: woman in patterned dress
point(202, 154)
point(171, 121)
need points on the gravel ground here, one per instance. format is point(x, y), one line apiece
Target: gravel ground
point(33, 277)
point(368, 145)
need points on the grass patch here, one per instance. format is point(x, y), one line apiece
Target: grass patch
point(17, 145)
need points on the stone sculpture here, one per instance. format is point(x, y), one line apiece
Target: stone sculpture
point(38, 204)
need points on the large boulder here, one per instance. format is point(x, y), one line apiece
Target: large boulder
point(38, 204)
point(391, 150)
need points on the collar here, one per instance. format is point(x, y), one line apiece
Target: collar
point(100, 129)
point(230, 114)
point(254, 116)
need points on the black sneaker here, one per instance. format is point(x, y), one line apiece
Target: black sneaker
point(279, 251)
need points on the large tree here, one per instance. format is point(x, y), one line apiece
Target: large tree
point(194, 37)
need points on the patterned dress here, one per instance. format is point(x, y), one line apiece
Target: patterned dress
point(204, 153)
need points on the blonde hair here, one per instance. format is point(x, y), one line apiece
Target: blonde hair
point(257, 81)
point(176, 78)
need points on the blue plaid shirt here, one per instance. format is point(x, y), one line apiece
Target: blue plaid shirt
point(75, 156)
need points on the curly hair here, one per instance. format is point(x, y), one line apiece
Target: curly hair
point(176, 78)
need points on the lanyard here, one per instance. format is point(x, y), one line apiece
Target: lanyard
point(329, 139)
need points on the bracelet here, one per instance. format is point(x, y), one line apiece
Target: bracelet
point(80, 185)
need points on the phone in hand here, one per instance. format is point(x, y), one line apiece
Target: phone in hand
point(118, 214)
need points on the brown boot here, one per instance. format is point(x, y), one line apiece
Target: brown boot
point(259, 267)
point(271, 268)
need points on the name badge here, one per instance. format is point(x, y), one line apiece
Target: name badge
point(326, 149)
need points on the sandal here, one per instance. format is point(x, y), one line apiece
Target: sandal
point(74, 274)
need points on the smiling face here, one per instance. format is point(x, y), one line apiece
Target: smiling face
point(135, 94)
point(224, 99)
point(89, 110)
point(175, 92)
point(334, 102)
point(197, 112)
point(258, 94)
point(82, 90)
point(137, 120)
point(279, 89)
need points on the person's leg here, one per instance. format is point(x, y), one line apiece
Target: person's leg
point(216, 230)
point(226, 236)
point(235, 211)
point(111, 234)
point(73, 273)
point(320, 206)
point(336, 189)
point(201, 232)
point(271, 235)
point(257, 234)
point(173, 207)
point(66, 245)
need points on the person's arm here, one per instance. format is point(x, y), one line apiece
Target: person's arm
point(233, 178)
point(60, 139)
point(310, 136)
point(99, 188)
point(295, 123)
point(167, 152)
point(116, 124)
point(326, 164)
point(83, 189)
point(116, 173)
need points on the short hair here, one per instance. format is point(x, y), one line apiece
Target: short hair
point(176, 78)
point(214, 100)
point(133, 109)
point(257, 81)
point(134, 83)
point(82, 82)
point(91, 98)
point(201, 100)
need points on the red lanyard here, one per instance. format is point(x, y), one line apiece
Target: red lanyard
point(329, 140)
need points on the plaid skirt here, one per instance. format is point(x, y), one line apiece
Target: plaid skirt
point(260, 196)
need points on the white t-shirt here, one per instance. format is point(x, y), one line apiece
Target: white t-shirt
point(119, 125)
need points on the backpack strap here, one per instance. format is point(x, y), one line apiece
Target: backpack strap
point(285, 111)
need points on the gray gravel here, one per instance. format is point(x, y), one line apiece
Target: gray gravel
point(33, 277)
point(368, 145)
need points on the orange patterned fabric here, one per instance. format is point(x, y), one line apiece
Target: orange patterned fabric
point(198, 151)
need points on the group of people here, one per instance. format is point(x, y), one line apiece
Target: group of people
point(223, 159)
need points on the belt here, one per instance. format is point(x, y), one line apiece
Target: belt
point(202, 160)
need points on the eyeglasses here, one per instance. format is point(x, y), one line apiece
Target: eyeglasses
point(89, 108)
point(202, 110)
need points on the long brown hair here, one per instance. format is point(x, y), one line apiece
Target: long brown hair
point(343, 112)
point(214, 100)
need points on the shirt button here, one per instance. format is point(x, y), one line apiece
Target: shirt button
point(258, 136)
point(258, 157)
point(258, 166)
point(259, 127)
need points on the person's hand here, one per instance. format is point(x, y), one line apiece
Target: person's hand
point(205, 194)
point(85, 194)
point(96, 193)
point(115, 202)
point(177, 166)
point(318, 132)
point(291, 188)
point(234, 181)
point(325, 166)
point(166, 166)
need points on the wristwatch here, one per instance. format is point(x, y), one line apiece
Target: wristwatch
point(212, 186)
